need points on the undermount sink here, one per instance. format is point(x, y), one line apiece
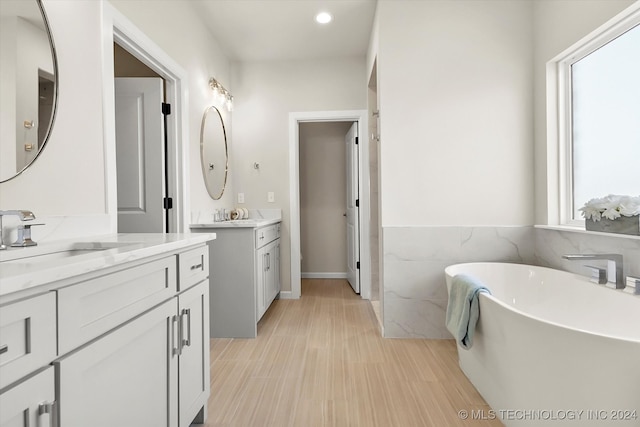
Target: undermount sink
point(55, 252)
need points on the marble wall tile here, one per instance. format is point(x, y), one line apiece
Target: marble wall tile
point(415, 296)
point(413, 318)
point(415, 293)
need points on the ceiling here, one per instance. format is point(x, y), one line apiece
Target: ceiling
point(280, 30)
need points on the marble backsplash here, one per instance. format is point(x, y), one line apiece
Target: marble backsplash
point(207, 217)
point(415, 294)
point(59, 227)
point(551, 244)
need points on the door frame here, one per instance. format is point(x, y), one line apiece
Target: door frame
point(117, 28)
point(361, 117)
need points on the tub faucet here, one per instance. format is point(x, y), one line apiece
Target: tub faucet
point(614, 266)
point(22, 214)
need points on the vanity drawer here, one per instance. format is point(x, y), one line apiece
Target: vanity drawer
point(91, 308)
point(27, 336)
point(194, 267)
point(267, 234)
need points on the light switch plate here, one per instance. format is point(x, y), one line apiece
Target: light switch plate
point(271, 197)
point(240, 197)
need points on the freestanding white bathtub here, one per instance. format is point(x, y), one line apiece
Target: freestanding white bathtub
point(552, 348)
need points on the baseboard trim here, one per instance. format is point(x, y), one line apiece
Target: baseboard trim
point(286, 295)
point(323, 275)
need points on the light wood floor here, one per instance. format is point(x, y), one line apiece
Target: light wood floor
point(320, 361)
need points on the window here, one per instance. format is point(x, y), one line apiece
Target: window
point(599, 117)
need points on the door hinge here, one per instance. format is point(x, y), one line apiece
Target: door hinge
point(166, 108)
point(168, 203)
point(358, 265)
point(357, 140)
point(357, 203)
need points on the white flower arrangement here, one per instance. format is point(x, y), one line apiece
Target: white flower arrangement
point(611, 207)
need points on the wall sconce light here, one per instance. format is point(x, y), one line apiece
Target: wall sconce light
point(221, 94)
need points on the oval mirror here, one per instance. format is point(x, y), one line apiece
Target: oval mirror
point(28, 84)
point(213, 152)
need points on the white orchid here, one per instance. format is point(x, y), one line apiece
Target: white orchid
point(611, 207)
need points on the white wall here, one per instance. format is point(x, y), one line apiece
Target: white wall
point(323, 197)
point(265, 93)
point(558, 25)
point(68, 178)
point(455, 84)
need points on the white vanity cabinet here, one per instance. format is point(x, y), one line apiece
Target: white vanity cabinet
point(127, 345)
point(154, 368)
point(245, 266)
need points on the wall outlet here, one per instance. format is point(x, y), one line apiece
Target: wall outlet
point(240, 197)
point(271, 197)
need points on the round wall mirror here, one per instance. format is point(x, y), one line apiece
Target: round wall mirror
point(213, 152)
point(28, 84)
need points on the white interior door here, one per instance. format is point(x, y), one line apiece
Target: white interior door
point(139, 154)
point(353, 224)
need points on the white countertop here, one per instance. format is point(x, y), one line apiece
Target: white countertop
point(237, 223)
point(26, 268)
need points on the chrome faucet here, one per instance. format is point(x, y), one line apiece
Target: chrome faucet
point(23, 215)
point(614, 266)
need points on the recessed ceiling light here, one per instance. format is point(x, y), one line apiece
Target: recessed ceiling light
point(323, 18)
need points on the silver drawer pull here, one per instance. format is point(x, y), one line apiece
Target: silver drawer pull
point(50, 409)
point(4, 348)
point(186, 312)
point(196, 267)
point(175, 333)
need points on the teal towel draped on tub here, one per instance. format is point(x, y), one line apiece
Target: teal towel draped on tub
point(463, 308)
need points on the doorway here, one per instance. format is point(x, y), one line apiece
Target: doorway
point(141, 146)
point(118, 30)
point(295, 121)
point(323, 200)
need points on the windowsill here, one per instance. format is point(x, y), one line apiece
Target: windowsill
point(578, 229)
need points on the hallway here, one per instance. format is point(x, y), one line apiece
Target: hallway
point(320, 361)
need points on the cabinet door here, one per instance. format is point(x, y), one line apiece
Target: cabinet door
point(261, 278)
point(272, 281)
point(276, 269)
point(194, 353)
point(127, 378)
point(29, 403)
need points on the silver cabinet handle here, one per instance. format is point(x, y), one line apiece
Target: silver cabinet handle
point(268, 261)
point(175, 332)
point(186, 312)
point(196, 267)
point(4, 348)
point(50, 409)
